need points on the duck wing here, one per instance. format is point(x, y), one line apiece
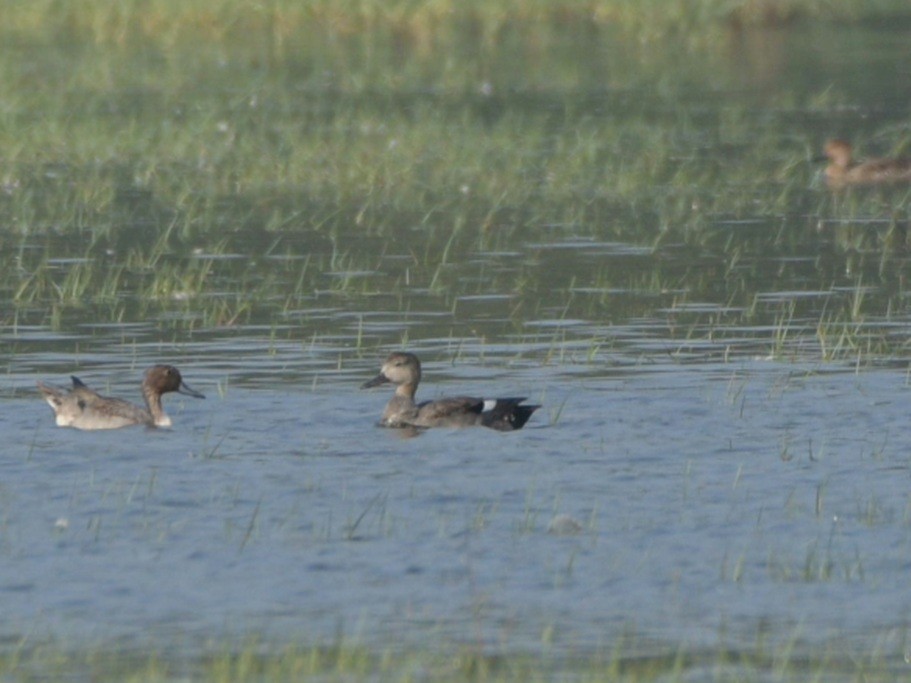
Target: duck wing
point(502, 414)
point(452, 411)
point(113, 412)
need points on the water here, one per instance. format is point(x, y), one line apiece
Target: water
point(729, 437)
point(711, 497)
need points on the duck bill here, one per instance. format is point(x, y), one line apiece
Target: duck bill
point(187, 391)
point(376, 381)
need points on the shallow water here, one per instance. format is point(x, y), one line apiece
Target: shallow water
point(735, 498)
point(724, 416)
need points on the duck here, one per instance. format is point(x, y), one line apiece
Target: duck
point(403, 369)
point(84, 408)
point(843, 170)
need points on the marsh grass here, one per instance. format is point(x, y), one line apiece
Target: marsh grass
point(147, 203)
point(165, 23)
point(346, 661)
point(820, 563)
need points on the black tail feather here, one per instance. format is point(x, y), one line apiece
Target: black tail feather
point(508, 415)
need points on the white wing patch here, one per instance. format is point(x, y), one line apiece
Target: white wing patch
point(489, 404)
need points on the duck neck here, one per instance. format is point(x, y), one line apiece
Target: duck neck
point(407, 390)
point(153, 401)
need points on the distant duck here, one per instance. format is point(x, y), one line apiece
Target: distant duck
point(84, 408)
point(843, 171)
point(404, 370)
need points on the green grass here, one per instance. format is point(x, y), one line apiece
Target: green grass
point(276, 24)
point(253, 662)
